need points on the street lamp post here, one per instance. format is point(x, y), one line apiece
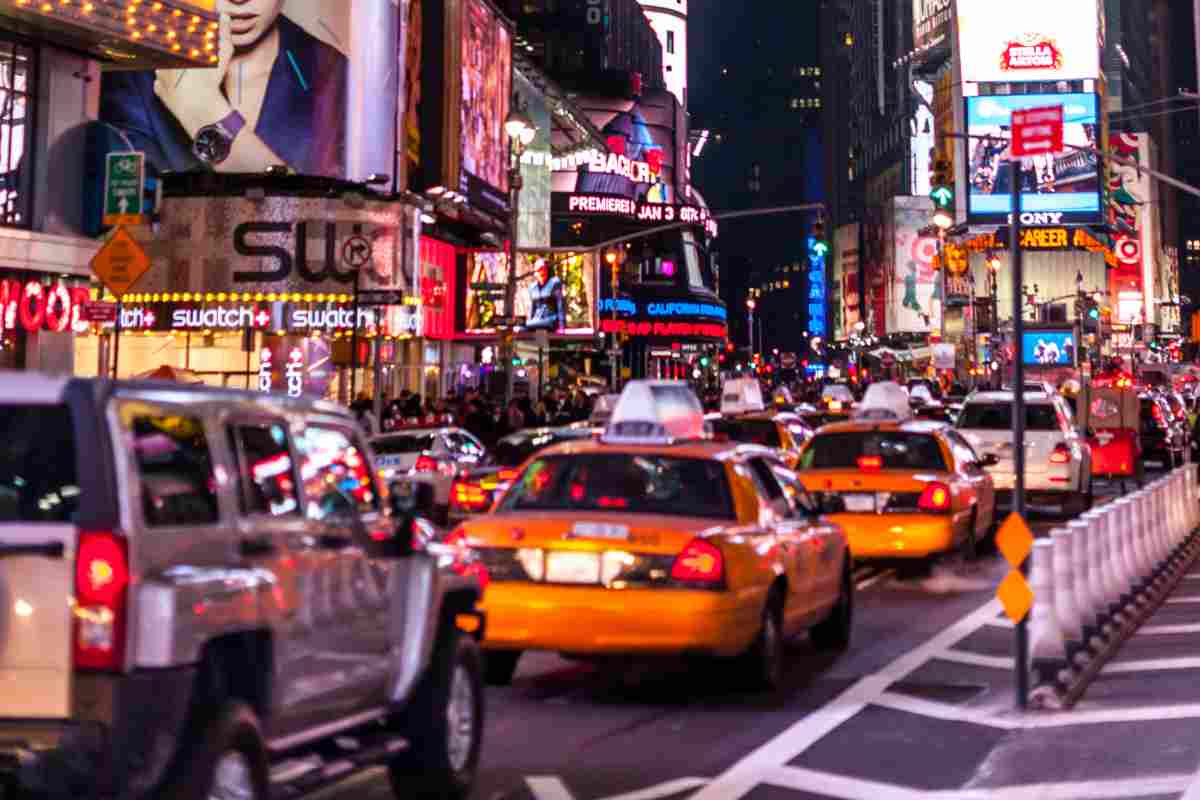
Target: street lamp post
point(520, 130)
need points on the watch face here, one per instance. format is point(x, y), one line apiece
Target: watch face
point(211, 145)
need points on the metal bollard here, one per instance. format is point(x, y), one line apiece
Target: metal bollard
point(1047, 645)
point(1070, 618)
point(1086, 587)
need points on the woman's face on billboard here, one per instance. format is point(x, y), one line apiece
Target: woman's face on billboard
point(250, 20)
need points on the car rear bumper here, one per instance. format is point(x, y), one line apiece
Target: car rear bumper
point(125, 733)
point(597, 621)
point(898, 536)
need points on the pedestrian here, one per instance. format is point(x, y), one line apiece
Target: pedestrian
point(363, 412)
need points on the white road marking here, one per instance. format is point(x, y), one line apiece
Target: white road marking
point(1183, 601)
point(1192, 791)
point(1192, 576)
point(975, 659)
point(1166, 630)
point(946, 711)
point(1001, 622)
point(811, 781)
point(1153, 665)
point(868, 582)
point(742, 777)
point(547, 787)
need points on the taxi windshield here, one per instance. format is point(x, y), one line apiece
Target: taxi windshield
point(749, 431)
point(908, 451)
point(627, 482)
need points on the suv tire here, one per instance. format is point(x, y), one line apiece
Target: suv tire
point(227, 759)
point(443, 726)
point(499, 666)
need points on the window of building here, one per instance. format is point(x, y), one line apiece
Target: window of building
point(671, 42)
point(16, 131)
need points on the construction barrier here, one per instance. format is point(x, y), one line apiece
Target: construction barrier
point(1101, 576)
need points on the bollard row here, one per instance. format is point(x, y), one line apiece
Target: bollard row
point(1095, 580)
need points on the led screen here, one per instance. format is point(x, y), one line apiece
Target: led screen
point(1049, 348)
point(555, 292)
point(486, 89)
point(1019, 41)
point(1056, 189)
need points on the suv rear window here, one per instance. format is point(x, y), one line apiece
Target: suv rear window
point(37, 464)
point(998, 417)
point(898, 450)
point(638, 484)
point(749, 431)
point(393, 445)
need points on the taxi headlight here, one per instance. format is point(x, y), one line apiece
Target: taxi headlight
point(533, 561)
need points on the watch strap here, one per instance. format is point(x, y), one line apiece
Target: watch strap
point(233, 123)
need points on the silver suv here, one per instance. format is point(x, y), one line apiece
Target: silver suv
point(207, 593)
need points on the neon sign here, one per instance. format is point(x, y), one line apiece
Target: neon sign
point(264, 370)
point(666, 329)
point(816, 287)
point(617, 206)
point(397, 320)
point(36, 306)
point(294, 372)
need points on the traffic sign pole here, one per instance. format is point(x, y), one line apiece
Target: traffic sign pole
point(1022, 627)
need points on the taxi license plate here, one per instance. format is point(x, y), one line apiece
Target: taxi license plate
point(390, 461)
point(573, 568)
point(859, 503)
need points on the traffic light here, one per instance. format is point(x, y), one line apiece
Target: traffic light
point(704, 362)
point(818, 247)
point(942, 193)
point(516, 362)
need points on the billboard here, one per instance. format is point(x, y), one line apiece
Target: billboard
point(486, 92)
point(914, 303)
point(555, 292)
point(1020, 41)
point(1056, 189)
point(297, 84)
point(931, 22)
point(846, 250)
point(1049, 348)
point(646, 137)
point(1130, 208)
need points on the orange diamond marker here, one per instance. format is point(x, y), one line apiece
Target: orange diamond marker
point(1015, 595)
point(1014, 540)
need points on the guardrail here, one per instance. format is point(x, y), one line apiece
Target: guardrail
point(1096, 580)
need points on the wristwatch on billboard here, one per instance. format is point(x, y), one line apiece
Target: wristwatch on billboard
point(215, 142)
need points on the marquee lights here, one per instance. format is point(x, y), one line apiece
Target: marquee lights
point(186, 31)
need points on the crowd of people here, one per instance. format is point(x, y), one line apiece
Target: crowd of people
point(486, 418)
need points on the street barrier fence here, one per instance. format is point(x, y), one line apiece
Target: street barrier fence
point(1099, 577)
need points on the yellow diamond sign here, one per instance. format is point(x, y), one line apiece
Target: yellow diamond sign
point(1015, 595)
point(1014, 540)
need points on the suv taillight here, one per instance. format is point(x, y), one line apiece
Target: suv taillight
point(935, 497)
point(101, 601)
point(1061, 455)
point(700, 562)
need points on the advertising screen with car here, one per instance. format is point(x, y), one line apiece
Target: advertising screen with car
point(1056, 189)
point(1049, 348)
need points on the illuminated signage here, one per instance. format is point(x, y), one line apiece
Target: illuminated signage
point(294, 372)
point(663, 309)
point(617, 206)
point(613, 164)
point(395, 320)
point(1031, 239)
point(264, 370)
point(36, 306)
point(678, 330)
point(1029, 40)
point(1032, 52)
point(816, 287)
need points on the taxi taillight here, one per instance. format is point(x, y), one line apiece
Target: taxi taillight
point(465, 563)
point(700, 562)
point(936, 497)
point(870, 463)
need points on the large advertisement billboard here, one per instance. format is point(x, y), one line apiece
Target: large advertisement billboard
point(1019, 41)
point(296, 84)
point(914, 302)
point(931, 22)
point(646, 138)
point(486, 93)
point(1055, 189)
point(555, 292)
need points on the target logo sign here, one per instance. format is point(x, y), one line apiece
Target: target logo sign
point(924, 250)
point(1128, 251)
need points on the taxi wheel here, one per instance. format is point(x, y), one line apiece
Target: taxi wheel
point(499, 666)
point(763, 664)
point(833, 633)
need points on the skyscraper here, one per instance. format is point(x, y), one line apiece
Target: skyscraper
point(669, 18)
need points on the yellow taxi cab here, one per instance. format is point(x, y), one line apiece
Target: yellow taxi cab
point(656, 540)
point(909, 489)
point(745, 418)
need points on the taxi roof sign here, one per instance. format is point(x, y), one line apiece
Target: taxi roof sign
point(603, 408)
point(741, 396)
point(885, 400)
point(655, 412)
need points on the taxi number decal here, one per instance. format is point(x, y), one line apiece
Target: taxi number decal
point(599, 530)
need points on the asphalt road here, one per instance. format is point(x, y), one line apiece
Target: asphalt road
point(565, 731)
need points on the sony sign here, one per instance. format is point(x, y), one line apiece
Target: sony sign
point(1039, 218)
